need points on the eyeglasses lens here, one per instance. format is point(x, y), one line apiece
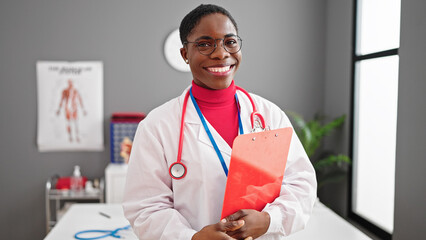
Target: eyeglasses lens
point(230, 44)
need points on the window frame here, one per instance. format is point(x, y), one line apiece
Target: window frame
point(356, 58)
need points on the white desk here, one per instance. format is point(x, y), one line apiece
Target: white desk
point(86, 217)
point(323, 225)
point(326, 224)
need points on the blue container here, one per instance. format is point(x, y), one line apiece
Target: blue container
point(122, 131)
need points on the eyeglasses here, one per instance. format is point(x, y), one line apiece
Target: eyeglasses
point(207, 45)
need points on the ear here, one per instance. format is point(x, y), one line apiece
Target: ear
point(184, 53)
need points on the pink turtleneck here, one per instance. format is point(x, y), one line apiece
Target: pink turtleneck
point(220, 109)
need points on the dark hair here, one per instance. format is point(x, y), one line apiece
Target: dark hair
point(192, 18)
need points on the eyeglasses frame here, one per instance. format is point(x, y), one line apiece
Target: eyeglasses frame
point(215, 44)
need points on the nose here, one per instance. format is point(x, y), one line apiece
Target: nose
point(219, 51)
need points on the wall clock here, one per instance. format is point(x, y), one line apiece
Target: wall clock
point(172, 48)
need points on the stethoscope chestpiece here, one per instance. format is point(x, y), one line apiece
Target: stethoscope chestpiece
point(177, 170)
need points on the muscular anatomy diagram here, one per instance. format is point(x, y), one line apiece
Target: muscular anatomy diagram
point(71, 100)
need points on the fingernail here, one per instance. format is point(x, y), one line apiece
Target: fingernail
point(223, 220)
point(240, 222)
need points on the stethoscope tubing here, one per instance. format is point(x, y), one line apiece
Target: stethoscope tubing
point(107, 233)
point(178, 163)
point(179, 155)
point(182, 123)
point(255, 112)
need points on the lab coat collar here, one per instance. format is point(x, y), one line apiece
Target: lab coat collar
point(192, 118)
point(245, 104)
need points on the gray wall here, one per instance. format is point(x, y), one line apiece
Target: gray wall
point(337, 92)
point(283, 60)
point(309, 72)
point(410, 190)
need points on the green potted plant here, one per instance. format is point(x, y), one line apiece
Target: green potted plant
point(329, 167)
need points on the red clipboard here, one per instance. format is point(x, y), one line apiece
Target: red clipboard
point(256, 170)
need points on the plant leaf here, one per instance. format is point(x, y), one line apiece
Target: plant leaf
point(303, 132)
point(331, 160)
point(328, 169)
point(331, 177)
point(335, 123)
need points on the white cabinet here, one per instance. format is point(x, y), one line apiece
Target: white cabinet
point(115, 178)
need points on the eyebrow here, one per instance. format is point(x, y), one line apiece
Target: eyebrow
point(208, 37)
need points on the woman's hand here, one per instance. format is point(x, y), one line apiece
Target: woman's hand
point(218, 230)
point(255, 224)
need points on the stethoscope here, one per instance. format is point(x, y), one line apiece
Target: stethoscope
point(105, 233)
point(178, 170)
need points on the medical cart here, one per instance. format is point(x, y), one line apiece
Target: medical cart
point(56, 198)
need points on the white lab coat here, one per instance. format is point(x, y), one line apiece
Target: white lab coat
point(159, 207)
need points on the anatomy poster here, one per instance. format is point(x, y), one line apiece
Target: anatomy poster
point(70, 106)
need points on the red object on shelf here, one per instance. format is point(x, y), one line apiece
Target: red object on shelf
point(65, 183)
point(127, 117)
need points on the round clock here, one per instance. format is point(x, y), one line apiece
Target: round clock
point(172, 48)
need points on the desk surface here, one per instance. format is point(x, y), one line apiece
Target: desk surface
point(87, 217)
point(324, 223)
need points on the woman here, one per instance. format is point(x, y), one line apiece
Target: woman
point(160, 206)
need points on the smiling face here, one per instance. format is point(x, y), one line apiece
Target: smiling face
point(217, 70)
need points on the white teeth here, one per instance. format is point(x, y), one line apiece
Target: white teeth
point(219, 69)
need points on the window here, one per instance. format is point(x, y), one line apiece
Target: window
point(375, 98)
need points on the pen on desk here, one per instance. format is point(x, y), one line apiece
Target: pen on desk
point(105, 215)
